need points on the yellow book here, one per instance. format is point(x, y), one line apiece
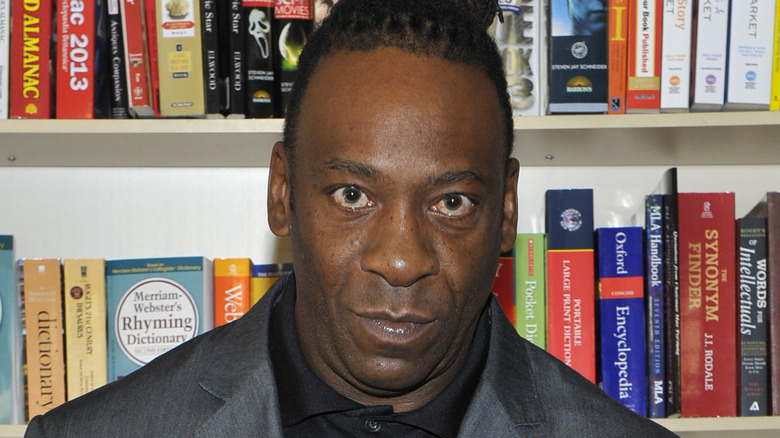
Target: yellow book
point(85, 325)
point(774, 102)
point(264, 276)
point(42, 294)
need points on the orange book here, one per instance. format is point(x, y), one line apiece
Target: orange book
point(42, 291)
point(232, 297)
point(617, 65)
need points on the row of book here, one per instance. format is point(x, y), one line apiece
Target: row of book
point(70, 326)
point(672, 315)
point(151, 58)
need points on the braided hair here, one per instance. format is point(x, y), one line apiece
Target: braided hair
point(455, 30)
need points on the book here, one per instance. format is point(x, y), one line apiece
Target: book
point(75, 60)
point(44, 344)
point(258, 20)
point(677, 24)
point(774, 102)
point(155, 304)
point(772, 202)
point(84, 298)
point(215, 86)
point(150, 24)
point(643, 90)
point(30, 90)
point(708, 304)
point(708, 53)
point(103, 89)
point(293, 22)
point(622, 320)
point(504, 284)
point(752, 288)
point(119, 92)
point(578, 57)
point(5, 48)
point(233, 19)
point(180, 58)
point(232, 293)
point(571, 329)
point(136, 53)
point(264, 276)
point(11, 356)
point(655, 305)
point(530, 286)
point(749, 64)
point(521, 39)
point(617, 67)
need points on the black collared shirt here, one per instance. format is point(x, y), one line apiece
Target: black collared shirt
point(311, 408)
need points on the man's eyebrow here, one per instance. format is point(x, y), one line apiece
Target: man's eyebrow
point(457, 176)
point(353, 167)
point(364, 170)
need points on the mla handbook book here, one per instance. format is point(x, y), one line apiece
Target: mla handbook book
point(11, 359)
point(154, 305)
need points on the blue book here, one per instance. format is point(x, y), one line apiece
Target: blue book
point(654, 287)
point(11, 359)
point(621, 286)
point(154, 305)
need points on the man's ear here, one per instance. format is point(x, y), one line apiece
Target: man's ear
point(279, 191)
point(509, 224)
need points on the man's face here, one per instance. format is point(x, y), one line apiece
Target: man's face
point(589, 17)
point(402, 204)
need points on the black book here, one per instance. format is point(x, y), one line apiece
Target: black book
point(231, 30)
point(259, 51)
point(115, 56)
point(215, 84)
point(293, 22)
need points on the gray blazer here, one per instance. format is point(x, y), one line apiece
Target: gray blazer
point(221, 384)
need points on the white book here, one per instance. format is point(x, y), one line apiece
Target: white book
point(676, 56)
point(5, 48)
point(709, 55)
point(751, 41)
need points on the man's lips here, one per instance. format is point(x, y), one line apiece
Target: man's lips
point(395, 329)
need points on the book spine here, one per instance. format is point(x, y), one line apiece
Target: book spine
point(11, 356)
point(75, 75)
point(570, 279)
point(235, 59)
point(709, 55)
point(643, 91)
point(84, 296)
point(180, 59)
point(5, 48)
point(773, 252)
point(119, 96)
point(150, 26)
point(214, 83)
point(30, 76)
point(654, 285)
point(293, 22)
point(44, 344)
point(259, 52)
point(708, 304)
point(618, 53)
point(136, 59)
point(504, 284)
point(774, 104)
point(232, 297)
point(749, 72)
point(264, 276)
point(677, 22)
point(621, 284)
point(752, 278)
point(530, 286)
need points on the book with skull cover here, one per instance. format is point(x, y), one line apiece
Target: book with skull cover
point(259, 54)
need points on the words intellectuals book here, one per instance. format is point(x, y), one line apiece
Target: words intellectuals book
point(154, 305)
point(571, 329)
point(622, 315)
point(232, 296)
point(11, 359)
point(530, 281)
point(708, 304)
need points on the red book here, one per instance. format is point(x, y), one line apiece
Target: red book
point(30, 77)
point(618, 49)
point(504, 284)
point(708, 328)
point(643, 92)
point(151, 43)
point(75, 60)
point(137, 58)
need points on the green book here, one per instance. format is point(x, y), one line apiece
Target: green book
point(530, 299)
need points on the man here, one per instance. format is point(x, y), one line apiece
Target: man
point(397, 190)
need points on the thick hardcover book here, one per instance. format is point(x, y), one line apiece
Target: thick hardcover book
point(119, 92)
point(504, 284)
point(708, 304)
point(5, 47)
point(214, 82)
point(84, 297)
point(264, 276)
point(31, 80)
point(521, 39)
point(571, 329)
point(752, 275)
point(643, 92)
point(180, 58)
point(655, 306)
point(44, 344)
point(75, 60)
point(773, 249)
point(618, 55)
point(530, 286)
point(11, 356)
point(259, 58)
point(232, 297)
point(774, 103)
point(578, 57)
point(136, 53)
point(153, 306)
point(293, 22)
point(622, 316)
point(709, 51)
point(751, 40)
point(676, 56)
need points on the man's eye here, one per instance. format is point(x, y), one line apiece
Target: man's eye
point(454, 205)
point(351, 197)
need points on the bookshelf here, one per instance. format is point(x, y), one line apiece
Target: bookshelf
point(139, 188)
